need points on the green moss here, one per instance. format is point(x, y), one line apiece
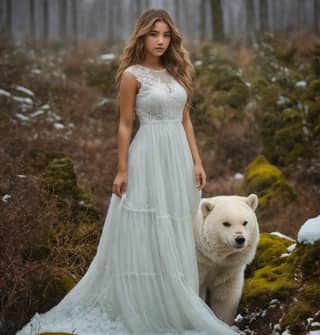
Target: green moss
point(269, 250)
point(266, 180)
point(102, 75)
point(60, 177)
point(51, 283)
point(307, 259)
point(296, 316)
point(313, 90)
point(268, 283)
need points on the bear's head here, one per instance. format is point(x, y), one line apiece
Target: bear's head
point(229, 225)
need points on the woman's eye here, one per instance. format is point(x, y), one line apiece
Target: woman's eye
point(226, 224)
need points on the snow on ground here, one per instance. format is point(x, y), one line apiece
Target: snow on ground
point(282, 235)
point(25, 90)
point(310, 231)
point(4, 92)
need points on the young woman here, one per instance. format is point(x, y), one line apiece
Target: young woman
point(144, 277)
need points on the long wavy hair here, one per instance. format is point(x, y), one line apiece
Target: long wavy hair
point(175, 59)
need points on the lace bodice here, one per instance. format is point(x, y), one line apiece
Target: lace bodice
point(161, 96)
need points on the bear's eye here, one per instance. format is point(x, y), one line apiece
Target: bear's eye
point(226, 224)
point(245, 223)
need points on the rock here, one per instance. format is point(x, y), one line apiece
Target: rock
point(282, 288)
point(267, 181)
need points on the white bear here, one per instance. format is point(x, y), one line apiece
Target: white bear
point(226, 236)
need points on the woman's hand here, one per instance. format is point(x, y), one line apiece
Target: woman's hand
point(120, 183)
point(201, 177)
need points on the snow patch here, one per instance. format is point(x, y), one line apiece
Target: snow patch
point(238, 176)
point(291, 247)
point(22, 117)
point(5, 93)
point(6, 197)
point(301, 83)
point(25, 90)
point(310, 231)
point(282, 235)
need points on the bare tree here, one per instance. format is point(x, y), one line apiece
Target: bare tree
point(217, 20)
point(250, 16)
point(63, 10)
point(264, 15)
point(203, 16)
point(45, 19)
point(74, 11)
point(8, 25)
point(32, 19)
point(316, 10)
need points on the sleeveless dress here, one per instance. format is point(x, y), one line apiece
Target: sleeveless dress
point(144, 276)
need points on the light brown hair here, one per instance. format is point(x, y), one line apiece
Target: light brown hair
point(175, 59)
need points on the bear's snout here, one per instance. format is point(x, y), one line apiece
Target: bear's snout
point(240, 241)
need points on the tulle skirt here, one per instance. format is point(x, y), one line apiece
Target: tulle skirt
point(144, 276)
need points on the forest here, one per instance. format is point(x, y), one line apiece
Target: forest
point(256, 117)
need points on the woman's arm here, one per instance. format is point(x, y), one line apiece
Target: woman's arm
point(127, 95)
point(199, 171)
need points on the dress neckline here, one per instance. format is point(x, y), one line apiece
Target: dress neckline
point(153, 70)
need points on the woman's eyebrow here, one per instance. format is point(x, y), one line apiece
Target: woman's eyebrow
point(157, 31)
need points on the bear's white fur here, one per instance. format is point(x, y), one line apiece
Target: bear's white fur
point(226, 235)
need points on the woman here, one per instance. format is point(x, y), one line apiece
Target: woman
point(144, 277)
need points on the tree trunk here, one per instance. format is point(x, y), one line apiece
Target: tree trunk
point(74, 11)
point(250, 16)
point(203, 20)
point(217, 20)
point(8, 25)
point(316, 9)
point(32, 19)
point(63, 10)
point(264, 15)
point(45, 20)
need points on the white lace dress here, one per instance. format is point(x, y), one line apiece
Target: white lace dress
point(144, 277)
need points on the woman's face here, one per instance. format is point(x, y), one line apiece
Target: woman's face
point(158, 39)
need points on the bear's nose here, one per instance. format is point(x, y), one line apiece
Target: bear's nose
point(240, 240)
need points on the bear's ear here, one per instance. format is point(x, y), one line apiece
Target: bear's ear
point(252, 201)
point(206, 208)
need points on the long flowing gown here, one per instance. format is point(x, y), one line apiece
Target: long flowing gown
point(144, 276)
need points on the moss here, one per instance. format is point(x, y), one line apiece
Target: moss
point(269, 282)
point(296, 316)
point(51, 283)
point(313, 90)
point(307, 259)
point(307, 304)
point(102, 75)
point(60, 177)
point(269, 250)
point(267, 181)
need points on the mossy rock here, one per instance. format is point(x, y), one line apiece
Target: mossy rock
point(59, 178)
point(307, 259)
point(51, 283)
point(267, 181)
point(102, 75)
point(313, 90)
point(269, 276)
point(307, 304)
point(269, 250)
point(269, 282)
point(285, 135)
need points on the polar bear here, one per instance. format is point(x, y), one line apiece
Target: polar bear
point(226, 236)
